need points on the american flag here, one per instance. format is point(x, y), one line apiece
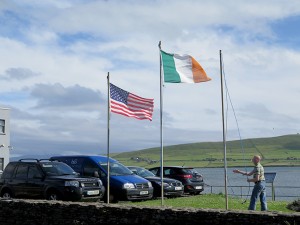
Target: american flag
point(131, 105)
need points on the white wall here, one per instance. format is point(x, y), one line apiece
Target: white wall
point(5, 138)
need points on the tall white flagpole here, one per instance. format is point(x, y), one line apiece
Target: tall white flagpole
point(108, 138)
point(161, 127)
point(224, 135)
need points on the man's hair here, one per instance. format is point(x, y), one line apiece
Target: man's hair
point(257, 157)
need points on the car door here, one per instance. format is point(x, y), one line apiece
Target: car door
point(35, 182)
point(19, 181)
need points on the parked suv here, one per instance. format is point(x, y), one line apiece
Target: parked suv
point(124, 185)
point(47, 179)
point(190, 178)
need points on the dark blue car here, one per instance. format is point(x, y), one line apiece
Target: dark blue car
point(172, 187)
point(124, 185)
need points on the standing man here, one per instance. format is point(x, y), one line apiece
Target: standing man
point(259, 189)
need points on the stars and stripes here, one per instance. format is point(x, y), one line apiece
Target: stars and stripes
point(131, 105)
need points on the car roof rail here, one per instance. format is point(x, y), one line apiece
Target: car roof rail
point(56, 160)
point(45, 160)
point(28, 159)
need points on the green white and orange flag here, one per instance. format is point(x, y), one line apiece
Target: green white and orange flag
point(182, 69)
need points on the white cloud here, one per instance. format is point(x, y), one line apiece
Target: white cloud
point(72, 45)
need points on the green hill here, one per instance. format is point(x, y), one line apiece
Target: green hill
point(276, 151)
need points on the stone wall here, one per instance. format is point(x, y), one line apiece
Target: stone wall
point(40, 212)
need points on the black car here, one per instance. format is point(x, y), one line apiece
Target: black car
point(190, 178)
point(172, 187)
point(47, 179)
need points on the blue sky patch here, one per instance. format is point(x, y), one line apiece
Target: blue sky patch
point(9, 20)
point(287, 31)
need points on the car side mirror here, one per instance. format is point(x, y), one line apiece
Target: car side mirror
point(134, 172)
point(96, 174)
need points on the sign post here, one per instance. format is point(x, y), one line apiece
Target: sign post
point(270, 177)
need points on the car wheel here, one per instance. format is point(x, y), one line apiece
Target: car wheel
point(53, 195)
point(197, 192)
point(6, 194)
point(112, 199)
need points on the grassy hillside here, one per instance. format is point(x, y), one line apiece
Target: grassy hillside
point(276, 151)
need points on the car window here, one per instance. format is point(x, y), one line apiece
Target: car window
point(22, 172)
point(155, 171)
point(116, 169)
point(144, 173)
point(57, 169)
point(9, 170)
point(89, 169)
point(33, 172)
point(167, 171)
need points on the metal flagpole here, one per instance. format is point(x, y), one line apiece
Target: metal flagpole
point(224, 135)
point(108, 138)
point(161, 128)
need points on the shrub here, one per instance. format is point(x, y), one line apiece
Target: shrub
point(295, 205)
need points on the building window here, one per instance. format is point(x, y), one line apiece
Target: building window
point(1, 164)
point(2, 126)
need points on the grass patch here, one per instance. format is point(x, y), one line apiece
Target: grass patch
point(211, 201)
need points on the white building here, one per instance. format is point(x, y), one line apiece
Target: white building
point(4, 137)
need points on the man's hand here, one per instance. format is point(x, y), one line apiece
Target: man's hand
point(236, 171)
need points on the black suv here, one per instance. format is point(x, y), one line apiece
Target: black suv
point(47, 179)
point(190, 178)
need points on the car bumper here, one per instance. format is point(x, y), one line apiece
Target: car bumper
point(194, 187)
point(76, 194)
point(169, 191)
point(136, 194)
point(173, 191)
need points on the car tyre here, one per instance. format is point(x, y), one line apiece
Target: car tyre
point(7, 194)
point(112, 199)
point(53, 196)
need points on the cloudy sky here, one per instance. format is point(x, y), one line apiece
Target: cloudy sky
point(55, 55)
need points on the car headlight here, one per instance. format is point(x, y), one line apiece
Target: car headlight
point(149, 184)
point(100, 182)
point(73, 183)
point(128, 186)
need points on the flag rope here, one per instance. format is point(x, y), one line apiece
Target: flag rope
point(228, 99)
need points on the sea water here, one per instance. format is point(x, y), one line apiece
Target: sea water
point(286, 185)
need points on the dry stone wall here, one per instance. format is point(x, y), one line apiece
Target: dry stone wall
point(40, 212)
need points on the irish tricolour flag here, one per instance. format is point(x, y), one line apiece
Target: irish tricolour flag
point(182, 69)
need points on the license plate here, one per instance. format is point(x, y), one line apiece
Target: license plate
point(198, 187)
point(178, 188)
point(144, 192)
point(96, 192)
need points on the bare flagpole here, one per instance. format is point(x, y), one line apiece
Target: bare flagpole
point(108, 138)
point(161, 127)
point(224, 135)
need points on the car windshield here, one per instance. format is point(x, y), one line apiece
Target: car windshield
point(116, 169)
point(57, 169)
point(143, 172)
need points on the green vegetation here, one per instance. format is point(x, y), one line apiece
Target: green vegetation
point(211, 201)
point(276, 151)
